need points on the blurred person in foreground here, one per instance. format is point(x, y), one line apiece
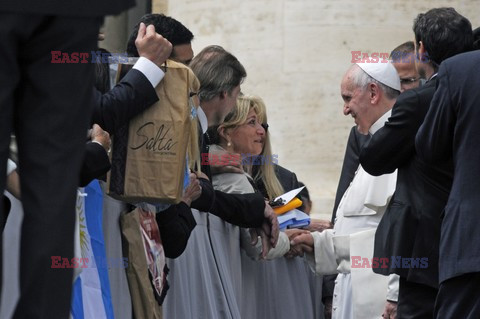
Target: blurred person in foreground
point(47, 104)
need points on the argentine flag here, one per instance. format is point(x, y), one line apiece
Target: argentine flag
point(91, 291)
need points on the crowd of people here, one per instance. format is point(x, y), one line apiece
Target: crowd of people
point(402, 239)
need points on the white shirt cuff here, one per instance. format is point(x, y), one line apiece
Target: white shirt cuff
point(393, 287)
point(11, 166)
point(151, 71)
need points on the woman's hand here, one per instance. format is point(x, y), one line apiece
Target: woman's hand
point(193, 190)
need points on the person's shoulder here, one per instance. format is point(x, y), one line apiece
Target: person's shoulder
point(471, 57)
point(461, 68)
point(414, 97)
point(407, 99)
point(282, 171)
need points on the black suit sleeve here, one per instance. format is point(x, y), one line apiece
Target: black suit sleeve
point(244, 210)
point(131, 96)
point(328, 285)
point(435, 137)
point(205, 202)
point(95, 163)
point(175, 225)
point(392, 145)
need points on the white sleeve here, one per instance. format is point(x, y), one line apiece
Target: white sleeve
point(151, 71)
point(328, 248)
point(254, 252)
point(282, 247)
point(393, 287)
point(11, 166)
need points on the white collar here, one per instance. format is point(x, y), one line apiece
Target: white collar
point(432, 77)
point(380, 122)
point(202, 117)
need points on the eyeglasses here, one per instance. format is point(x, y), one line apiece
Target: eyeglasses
point(265, 127)
point(408, 80)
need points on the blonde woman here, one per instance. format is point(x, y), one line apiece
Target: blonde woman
point(242, 139)
point(278, 288)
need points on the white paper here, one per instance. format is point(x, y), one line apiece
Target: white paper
point(287, 197)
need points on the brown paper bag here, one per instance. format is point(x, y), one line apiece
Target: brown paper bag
point(149, 156)
point(144, 304)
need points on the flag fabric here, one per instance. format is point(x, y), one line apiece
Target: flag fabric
point(91, 289)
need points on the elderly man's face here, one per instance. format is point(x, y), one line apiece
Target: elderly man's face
point(356, 103)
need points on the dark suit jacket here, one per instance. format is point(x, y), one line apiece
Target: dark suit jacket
point(131, 96)
point(410, 227)
point(452, 130)
point(74, 8)
point(112, 111)
point(95, 163)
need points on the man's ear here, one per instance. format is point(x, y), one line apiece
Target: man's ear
point(374, 93)
point(223, 95)
point(422, 53)
point(421, 47)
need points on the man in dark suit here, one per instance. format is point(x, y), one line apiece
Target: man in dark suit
point(132, 95)
point(451, 132)
point(113, 108)
point(135, 92)
point(410, 227)
point(48, 105)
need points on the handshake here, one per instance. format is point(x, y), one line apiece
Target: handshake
point(301, 240)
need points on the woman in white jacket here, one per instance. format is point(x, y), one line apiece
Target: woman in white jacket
point(278, 288)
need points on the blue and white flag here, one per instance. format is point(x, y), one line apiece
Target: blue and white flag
point(91, 290)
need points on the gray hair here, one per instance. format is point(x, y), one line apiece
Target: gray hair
point(361, 79)
point(218, 71)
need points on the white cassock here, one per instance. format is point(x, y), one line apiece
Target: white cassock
point(359, 293)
